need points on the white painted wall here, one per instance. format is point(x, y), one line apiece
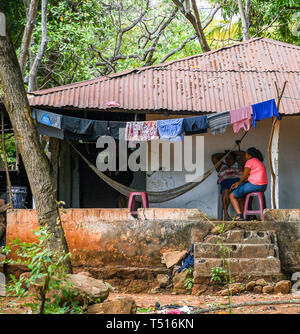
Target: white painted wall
point(205, 196)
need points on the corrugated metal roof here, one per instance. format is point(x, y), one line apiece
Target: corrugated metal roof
point(224, 79)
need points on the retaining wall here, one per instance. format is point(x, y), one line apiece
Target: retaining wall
point(111, 241)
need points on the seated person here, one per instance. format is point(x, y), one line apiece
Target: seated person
point(229, 172)
point(254, 179)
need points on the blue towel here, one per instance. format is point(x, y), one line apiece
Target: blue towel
point(170, 129)
point(189, 260)
point(262, 110)
point(195, 125)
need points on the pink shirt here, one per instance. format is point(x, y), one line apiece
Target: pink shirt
point(258, 174)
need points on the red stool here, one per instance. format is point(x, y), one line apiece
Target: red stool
point(131, 201)
point(261, 202)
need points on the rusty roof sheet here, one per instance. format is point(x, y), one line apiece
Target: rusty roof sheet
point(224, 79)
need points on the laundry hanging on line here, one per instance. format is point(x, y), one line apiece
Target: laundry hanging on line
point(141, 131)
point(74, 128)
point(195, 125)
point(218, 122)
point(81, 129)
point(240, 119)
point(171, 129)
point(263, 110)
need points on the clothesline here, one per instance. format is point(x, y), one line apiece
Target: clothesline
point(289, 97)
point(81, 129)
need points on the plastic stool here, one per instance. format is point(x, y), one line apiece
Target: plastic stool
point(260, 196)
point(131, 201)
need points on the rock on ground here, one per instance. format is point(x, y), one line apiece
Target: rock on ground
point(90, 289)
point(172, 258)
point(257, 289)
point(122, 305)
point(283, 286)
point(179, 280)
point(163, 280)
point(267, 289)
point(235, 289)
point(250, 285)
point(261, 282)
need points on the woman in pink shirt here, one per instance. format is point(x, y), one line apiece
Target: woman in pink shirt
point(254, 179)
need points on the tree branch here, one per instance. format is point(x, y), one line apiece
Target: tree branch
point(38, 59)
point(30, 23)
point(203, 41)
point(178, 49)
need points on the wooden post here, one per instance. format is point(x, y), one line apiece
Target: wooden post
point(273, 151)
point(5, 160)
point(275, 164)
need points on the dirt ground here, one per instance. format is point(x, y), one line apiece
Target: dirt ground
point(146, 302)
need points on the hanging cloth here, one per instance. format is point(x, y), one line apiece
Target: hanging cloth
point(240, 119)
point(141, 131)
point(218, 122)
point(116, 129)
point(171, 129)
point(195, 125)
point(262, 110)
point(75, 128)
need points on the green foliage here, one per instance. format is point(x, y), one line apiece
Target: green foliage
point(275, 19)
point(10, 148)
point(83, 35)
point(145, 310)
point(189, 281)
point(46, 285)
point(219, 275)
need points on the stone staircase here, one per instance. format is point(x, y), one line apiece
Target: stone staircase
point(254, 254)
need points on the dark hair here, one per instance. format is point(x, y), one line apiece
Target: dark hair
point(231, 154)
point(255, 153)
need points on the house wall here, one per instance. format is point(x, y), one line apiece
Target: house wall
point(205, 196)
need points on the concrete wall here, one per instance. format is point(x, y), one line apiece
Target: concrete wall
point(100, 237)
point(103, 238)
point(204, 197)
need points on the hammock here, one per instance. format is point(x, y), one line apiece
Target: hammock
point(156, 196)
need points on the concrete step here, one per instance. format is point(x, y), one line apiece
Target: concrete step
point(243, 268)
point(204, 250)
point(240, 237)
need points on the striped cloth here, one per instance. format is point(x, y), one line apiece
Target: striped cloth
point(218, 122)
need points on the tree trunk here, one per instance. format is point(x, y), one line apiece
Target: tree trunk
point(35, 160)
point(244, 19)
point(203, 41)
point(195, 21)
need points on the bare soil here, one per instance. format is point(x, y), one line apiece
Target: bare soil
point(147, 302)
